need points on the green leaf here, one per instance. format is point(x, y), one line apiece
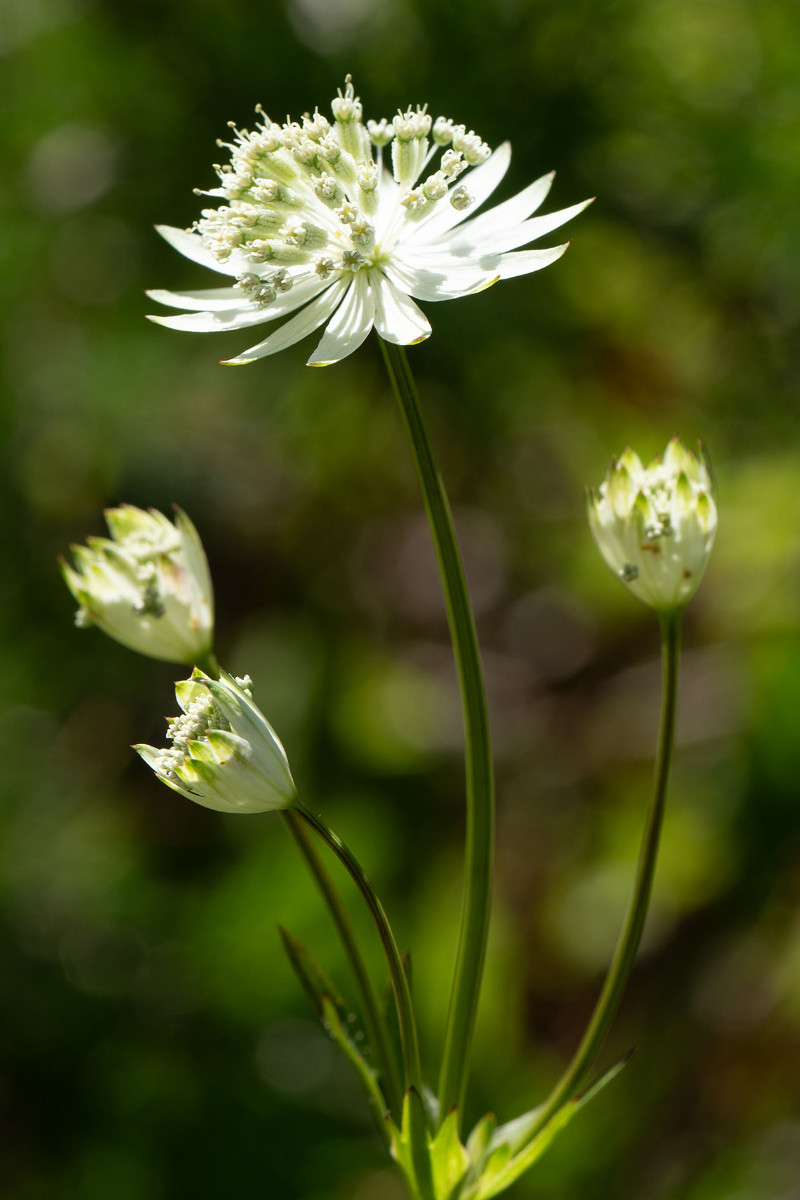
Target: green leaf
point(505, 1165)
point(400, 1142)
point(478, 1146)
point(333, 1023)
point(515, 1133)
point(334, 1014)
point(449, 1159)
point(313, 978)
point(411, 1147)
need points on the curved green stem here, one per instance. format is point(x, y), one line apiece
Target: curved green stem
point(408, 1028)
point(479, 768)
point(375, 1025)
point(405, 1012)
point(628, 944)
point(376, 1030)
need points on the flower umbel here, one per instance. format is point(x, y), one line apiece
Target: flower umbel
point(224, 754)
point(655, 525)
point(148, 585)
point(311, 219)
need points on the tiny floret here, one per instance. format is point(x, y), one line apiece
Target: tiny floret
point(148, 585)
point(377, 204)
point(460, 198)
point(655, 525)
point(224, 754)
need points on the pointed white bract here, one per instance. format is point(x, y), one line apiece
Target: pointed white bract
point(655, 525)
point(313, 221)
point(224, 754)
point(148, 585)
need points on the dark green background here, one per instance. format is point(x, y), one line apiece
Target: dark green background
point(154, 1042)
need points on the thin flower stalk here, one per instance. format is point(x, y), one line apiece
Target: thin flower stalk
point(402, 992)
point(374, 1022)
point(408, 1027)
point(479, 848)
point(628, 944)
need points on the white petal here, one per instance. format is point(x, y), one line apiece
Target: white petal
point(388, 204)
point(247, 313)
point(212, 322)
point(397, 317)
point(448, 260)
point(427, 284)
point(190, 245)
point(480, 182)
point(510, 212)
point(523, 262)
point(206, 299)
point(349, 326)
point(519, 235)
point(298, 327)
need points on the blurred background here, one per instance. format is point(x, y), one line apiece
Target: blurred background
point(154, 1042)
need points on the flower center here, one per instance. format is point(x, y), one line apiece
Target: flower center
point(201, 715)
point(143, 549)
point(312, 199)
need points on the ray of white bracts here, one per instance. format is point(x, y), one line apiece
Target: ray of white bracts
point(447, 254)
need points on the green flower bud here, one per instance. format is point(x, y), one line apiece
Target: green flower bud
point(655, 525)
point(225, 754)
point(147, 586)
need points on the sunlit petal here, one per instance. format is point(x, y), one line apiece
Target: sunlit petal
point(349, 325)
point(298, 327)
point(397, 317)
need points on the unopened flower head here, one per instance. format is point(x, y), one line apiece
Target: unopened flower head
point(655, 525)
point(148, 585)
point(342, 223)
point(224, 754)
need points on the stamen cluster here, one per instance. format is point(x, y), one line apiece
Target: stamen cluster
point(201, 715)
point(305, 193)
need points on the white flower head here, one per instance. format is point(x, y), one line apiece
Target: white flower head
point(312, 221)
point(655, 525)
point(148, 585)
point(224, 754)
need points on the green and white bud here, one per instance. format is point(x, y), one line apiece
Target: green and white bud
point(655, 525)
point(225, 754)
point(147, 586)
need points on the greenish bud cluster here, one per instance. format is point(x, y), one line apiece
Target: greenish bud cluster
point(224, 754)
point(147, 586)
point(655, 525)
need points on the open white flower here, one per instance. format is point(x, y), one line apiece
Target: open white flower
point(312, 220)
point(148, 585)
point(655, 525)
point(224, 754)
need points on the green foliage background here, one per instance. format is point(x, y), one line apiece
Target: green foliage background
point(153, 1042)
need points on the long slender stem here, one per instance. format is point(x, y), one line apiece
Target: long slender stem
point(375, 1024)
point(405, 1012)
point(479, 849)
point(628, 944)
